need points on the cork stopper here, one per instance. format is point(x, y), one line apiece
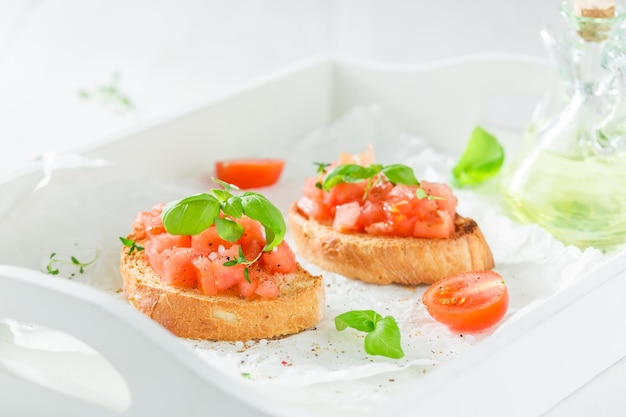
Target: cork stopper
point(593, 30)
point(595, 8)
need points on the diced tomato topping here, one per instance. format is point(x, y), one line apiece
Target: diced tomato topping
point(155, 247)
point(178, 268)
point(378, 207)
point(280, 260)
point(267, 288)
point(208, 241)
point(446, 199)
point(364, 158)
point(343, 193)
point(214, 277)
point(347, 217)
point(199, 261)
point(150, 221)
point(371, 212)
point(314, 209)
point(248, 288)
point(442, 227)
point(253, 240)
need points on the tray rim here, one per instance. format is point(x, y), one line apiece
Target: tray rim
point(542, 312)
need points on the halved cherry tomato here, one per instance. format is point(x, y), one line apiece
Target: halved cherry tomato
point(467, 302)
point(249, 173)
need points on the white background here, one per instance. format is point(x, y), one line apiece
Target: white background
point(173, 55)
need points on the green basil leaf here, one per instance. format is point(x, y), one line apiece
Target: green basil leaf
point(482, 159)
point(349, 173)
point(190, 215)
point(384, 340)
point(383, 335)
point(258, 207)
point(228, 230)
point(232, 207)
point(400, 174)
point(361, 320)
point(221, 195)
point(227, 187)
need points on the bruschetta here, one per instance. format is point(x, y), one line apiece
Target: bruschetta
point(381, 225)
point(229, 277)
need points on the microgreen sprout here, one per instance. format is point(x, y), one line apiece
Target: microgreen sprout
point(383, 335)
point(134, 246)
point(321, 167)
point(53, 260)
point(108, 93)
point(421, 194)
point(242, 260)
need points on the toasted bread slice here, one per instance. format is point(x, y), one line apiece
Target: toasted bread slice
point(189, 313)
point(386, 260)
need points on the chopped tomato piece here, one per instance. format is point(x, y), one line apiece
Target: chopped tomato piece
point(208, 241)
point(371, 212)
point(344, 193)
point(279, 260)
point(268, 288)
point(247, 288)
point(442, 195)
point(403, 209)
point(178, 268)
point(155, 247)
point(253, 240)
point(440, 228)
point(314, 209)
point(150, 221)
point(214, 275)
point(347, 217)
point(249, 173)
point(468, 302)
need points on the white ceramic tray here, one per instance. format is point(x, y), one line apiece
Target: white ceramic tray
point(128, 365)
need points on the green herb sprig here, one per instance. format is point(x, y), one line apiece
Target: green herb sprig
point(53, 260)
point(242, 260)
point(383, 335)
point(129, 243)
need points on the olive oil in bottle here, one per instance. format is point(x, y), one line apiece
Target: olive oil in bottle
point(571, 177)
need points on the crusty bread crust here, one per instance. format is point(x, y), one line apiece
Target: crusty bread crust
point(191, 314)
point(386, 260)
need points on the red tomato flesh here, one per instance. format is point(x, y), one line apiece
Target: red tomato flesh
point(249, 173)
point(468, 302)
point(379, 207)
point(198, 261)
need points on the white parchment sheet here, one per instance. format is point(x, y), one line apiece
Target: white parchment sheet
point(81, 207)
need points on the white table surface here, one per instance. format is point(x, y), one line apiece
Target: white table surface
point(172, 55)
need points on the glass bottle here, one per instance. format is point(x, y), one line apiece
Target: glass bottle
point(570, 177)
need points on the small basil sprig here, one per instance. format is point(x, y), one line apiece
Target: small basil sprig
point(482, 159)
point(395, 173)
point(131, 244)
point(383, 334)
point(194, 214)
point(50, 269)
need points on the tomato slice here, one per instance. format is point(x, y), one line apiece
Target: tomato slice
point(468, 302)
point(249, 173)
